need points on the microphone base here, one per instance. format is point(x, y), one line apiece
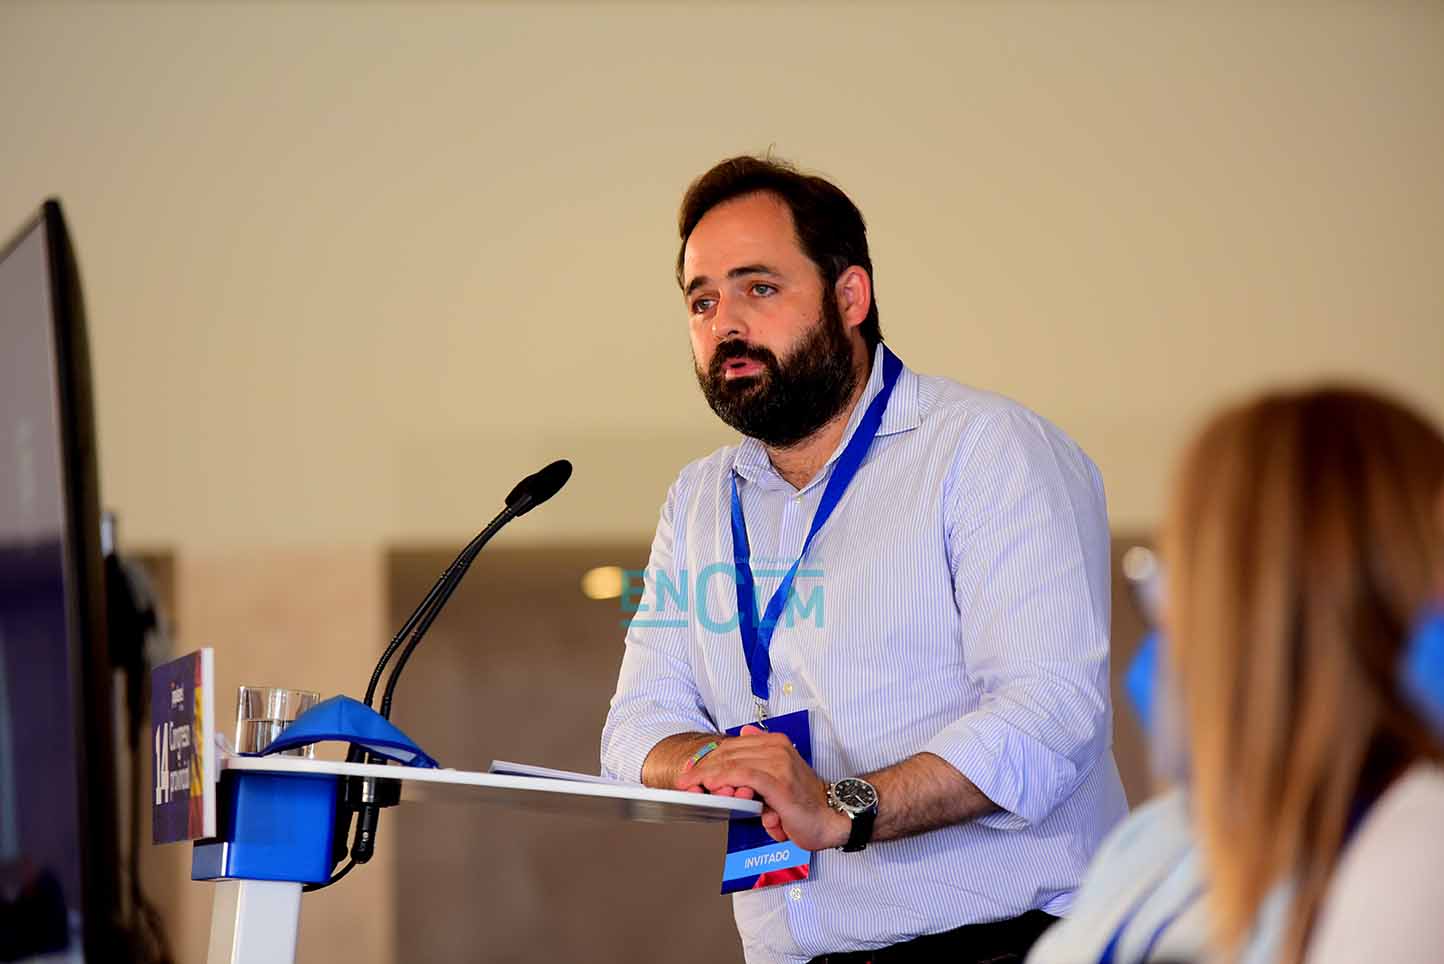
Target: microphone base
point(368, 796)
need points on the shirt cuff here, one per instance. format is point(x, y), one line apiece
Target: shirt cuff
point(1022, 776)
point(626, 745)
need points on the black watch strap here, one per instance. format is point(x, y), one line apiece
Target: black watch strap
point(861, 830)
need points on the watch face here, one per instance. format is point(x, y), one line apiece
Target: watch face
point(855, 795)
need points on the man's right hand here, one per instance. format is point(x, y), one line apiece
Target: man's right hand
point(670, 758)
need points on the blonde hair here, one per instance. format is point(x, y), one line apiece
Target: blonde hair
point(1300, 545)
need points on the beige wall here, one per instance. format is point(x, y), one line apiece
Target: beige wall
point(354, 268)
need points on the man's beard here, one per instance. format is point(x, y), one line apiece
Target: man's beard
point(789, 401)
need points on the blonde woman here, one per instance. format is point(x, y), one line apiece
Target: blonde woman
point(1302, 545)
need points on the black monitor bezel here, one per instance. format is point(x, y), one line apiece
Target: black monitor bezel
point(92, 676)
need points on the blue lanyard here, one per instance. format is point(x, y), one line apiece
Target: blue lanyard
point(1110, 953)
point(757, 637)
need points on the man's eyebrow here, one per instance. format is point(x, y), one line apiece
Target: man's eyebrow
point(738, 272)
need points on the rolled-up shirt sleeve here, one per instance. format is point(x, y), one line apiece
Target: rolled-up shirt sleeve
point(1028, 545)
point(657, 694)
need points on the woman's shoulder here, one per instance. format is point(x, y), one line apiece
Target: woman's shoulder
point(1386, 898)
point(1415, 796)
point(1405, 825)
point(1139, 870)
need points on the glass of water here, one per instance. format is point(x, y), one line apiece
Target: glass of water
point(262, 712)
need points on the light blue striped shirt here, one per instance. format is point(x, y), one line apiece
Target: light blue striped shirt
point(957, 602)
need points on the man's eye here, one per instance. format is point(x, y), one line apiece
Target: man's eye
point(763, 289)
point(701, 305)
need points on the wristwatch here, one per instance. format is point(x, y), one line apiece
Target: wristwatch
point(858, 799)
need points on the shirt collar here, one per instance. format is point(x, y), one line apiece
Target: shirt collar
point(752, 464)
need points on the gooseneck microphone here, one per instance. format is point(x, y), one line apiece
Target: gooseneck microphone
point(366, 795)
point(529, 493)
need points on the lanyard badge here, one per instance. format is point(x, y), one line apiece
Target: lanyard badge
point(754, 859)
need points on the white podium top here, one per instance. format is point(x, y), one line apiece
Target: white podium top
point(625, 800)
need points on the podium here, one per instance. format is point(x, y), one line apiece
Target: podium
point(255, 920)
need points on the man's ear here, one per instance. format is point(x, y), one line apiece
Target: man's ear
point(853, 291)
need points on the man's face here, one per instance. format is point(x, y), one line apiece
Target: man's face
point(771, 351)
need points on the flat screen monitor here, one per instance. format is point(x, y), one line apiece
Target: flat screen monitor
point(59, 875)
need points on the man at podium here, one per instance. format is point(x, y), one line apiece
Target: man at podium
point(893, 592)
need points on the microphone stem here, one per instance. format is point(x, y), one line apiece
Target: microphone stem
point(416, 614)
point(442, 592)
point(355, 754)
point(407, 627)
point(369, 813)
point(532, 491)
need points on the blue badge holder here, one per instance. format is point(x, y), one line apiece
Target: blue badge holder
point(281, 826)
point(1141, 680)
point(1422, 668)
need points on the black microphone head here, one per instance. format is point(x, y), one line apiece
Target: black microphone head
point(536, 488)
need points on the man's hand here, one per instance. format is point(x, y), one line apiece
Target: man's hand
point(794, 797)
point(673, 756)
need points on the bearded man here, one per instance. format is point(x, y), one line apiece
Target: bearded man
point(953, 770)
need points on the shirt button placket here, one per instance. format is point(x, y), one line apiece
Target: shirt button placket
point(801, 914)
point(792, 523)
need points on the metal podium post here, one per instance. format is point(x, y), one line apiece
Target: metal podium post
point(254, 922)
point(275, 834)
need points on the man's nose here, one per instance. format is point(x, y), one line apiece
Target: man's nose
point(728, 321)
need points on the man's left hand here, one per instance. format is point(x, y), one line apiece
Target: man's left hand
point(794, 797)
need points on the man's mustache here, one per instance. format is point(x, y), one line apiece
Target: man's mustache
point(732, 350)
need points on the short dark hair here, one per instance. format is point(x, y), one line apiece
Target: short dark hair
point(829, 226)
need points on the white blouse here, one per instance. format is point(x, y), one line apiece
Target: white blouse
point(1386, 902)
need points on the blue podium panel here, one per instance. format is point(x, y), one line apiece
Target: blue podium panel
point(271, 827)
